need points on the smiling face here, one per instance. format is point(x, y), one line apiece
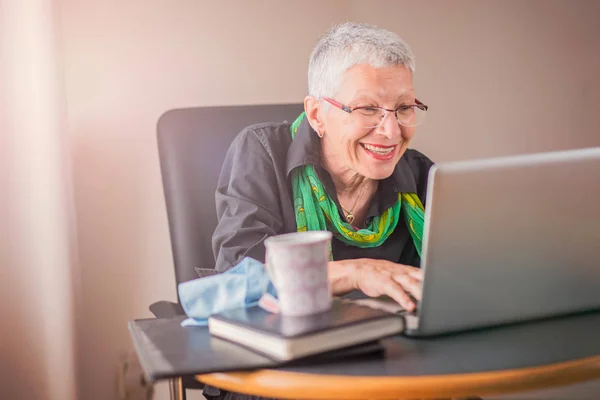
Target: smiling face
point(350, 148)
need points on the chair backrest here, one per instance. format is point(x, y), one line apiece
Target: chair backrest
point(192, 144)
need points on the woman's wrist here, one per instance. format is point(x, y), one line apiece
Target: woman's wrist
point(342, 276)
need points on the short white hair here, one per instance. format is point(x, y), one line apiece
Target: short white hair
point(349, 44)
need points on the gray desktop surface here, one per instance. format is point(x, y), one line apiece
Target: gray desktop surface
point(168, 350)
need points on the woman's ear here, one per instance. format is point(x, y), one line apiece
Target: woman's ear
point(312, 106)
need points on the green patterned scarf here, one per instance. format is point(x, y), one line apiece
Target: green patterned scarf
point(316, 211)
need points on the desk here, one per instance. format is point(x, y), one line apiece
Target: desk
point(508, 359)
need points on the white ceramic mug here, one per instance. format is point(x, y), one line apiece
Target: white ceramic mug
point(297, 264)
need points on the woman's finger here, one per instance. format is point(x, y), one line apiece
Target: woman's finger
point(415, 273)
point(410, 284)
point(395, 291)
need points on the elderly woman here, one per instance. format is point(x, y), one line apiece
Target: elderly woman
point(351, 144)
point(343, 165)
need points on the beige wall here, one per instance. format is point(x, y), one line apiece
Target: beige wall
point(501, 77)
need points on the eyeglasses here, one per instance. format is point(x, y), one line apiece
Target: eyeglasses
point(372, 117)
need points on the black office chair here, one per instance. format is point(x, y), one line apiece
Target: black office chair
point(192, 143)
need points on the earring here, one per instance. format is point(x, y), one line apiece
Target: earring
point(320, 135)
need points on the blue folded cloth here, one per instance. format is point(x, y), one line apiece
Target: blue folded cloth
point(239, 287)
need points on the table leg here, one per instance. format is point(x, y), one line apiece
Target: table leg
point(176, 390)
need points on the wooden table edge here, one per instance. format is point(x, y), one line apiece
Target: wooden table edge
point(287, 384)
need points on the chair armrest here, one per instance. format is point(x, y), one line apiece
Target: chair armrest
point(166, 309)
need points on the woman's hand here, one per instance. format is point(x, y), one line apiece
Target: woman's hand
point(376, 278)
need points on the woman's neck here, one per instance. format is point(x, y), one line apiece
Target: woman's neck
point(354, 193)
point(350, 183)
point(347, 182)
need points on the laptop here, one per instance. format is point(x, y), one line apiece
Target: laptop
point(508, 240)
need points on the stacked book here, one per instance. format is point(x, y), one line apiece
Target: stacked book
point(347, 325)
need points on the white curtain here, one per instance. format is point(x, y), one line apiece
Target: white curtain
point(37, 238)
